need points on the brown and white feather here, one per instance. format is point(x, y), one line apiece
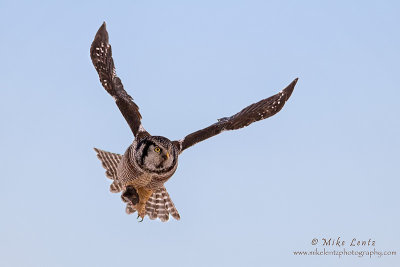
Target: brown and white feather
point(161, 206)
point(110, 162)
point(136, 172)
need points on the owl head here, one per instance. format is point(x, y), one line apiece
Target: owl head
point(156, 154)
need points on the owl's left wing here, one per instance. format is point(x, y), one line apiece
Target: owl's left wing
point(101, 55)
point(255, 112)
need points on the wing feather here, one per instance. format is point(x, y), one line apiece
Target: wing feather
point(101, 55)
point(255, 112)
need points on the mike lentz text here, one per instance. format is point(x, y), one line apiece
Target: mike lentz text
point(338, 242)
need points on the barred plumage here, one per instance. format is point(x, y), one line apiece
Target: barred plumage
point(110, 162)
point(124, 171)
point(151, 160)
point(160, 206)
point(128, 173)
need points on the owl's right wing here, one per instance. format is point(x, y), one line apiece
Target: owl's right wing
point(101, 55)
point(255, 112)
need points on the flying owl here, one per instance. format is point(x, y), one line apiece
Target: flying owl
point(140, 174)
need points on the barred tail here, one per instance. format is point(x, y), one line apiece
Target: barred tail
point(110, 162)
point(160, 206)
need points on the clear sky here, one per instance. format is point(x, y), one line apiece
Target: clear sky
point(326, 166)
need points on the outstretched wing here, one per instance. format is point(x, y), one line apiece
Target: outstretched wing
point(101, 55)
point(255, 112)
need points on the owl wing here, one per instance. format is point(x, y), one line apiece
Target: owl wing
point(255, 112)
point(101, 55)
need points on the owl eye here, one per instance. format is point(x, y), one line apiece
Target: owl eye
point(157, 149)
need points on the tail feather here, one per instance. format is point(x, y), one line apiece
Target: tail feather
point(110, 162)
point(160, 206)
point(170, 205)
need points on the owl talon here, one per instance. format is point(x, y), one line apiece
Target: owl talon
point(142, 212)
point(141, 219)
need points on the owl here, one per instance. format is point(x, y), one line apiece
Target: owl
point(141, 172)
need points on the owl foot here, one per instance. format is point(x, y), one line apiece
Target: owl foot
point(144, 195)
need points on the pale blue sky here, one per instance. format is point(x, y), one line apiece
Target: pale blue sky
point(326, 166)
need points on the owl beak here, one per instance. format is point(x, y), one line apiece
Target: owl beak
point(167, 155)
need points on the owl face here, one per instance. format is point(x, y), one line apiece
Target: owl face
point(156, 154)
